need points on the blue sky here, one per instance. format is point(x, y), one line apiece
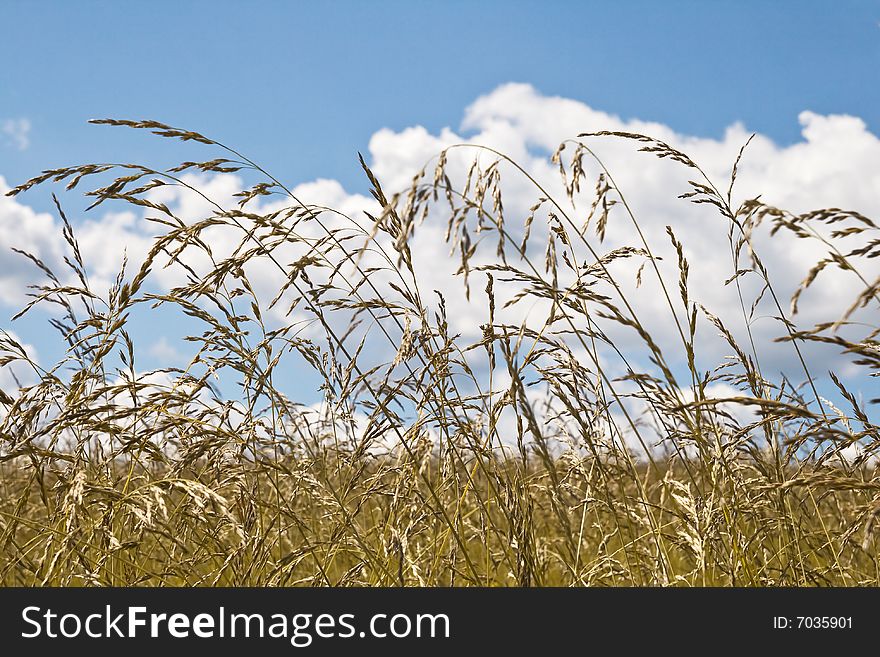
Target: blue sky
point(302, 86)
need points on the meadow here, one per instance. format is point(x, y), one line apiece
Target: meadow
point(562, 445)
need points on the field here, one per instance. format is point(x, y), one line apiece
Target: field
point(563, 443)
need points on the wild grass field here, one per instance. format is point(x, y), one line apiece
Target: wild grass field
point(562, 443)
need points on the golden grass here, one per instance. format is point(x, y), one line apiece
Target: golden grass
point(426, 467)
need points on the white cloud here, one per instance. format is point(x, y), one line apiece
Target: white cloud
point(37, 233)
point(836, 163)
point(16, 132)
point(103, 243)
point(165, 352)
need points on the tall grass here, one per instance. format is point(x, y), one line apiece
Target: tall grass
point(559, 445)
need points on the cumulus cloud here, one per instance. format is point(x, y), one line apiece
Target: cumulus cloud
point(165, 352)
point(24, 229)
point(836, 163)
point(16, 132)
point(104, 241)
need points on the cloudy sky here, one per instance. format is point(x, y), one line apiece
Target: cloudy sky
point(302, 87)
